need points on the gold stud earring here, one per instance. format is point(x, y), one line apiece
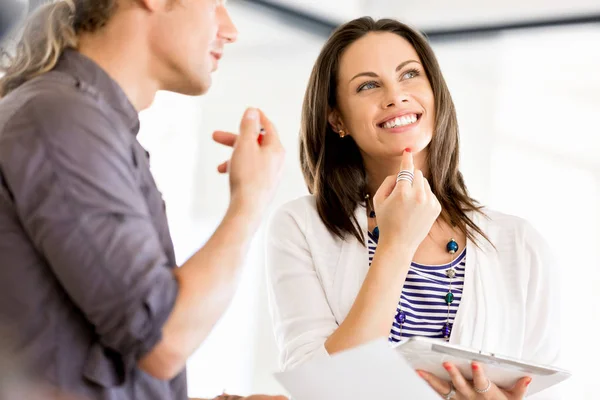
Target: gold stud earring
point(342, 133)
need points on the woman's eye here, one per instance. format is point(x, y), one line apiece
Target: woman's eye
point(367, 85)
point(410, 74)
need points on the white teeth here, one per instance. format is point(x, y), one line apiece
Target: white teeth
point(401, 121)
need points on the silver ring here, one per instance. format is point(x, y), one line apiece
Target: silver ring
point(452, 393)
point(405, 175)
point(487, 389)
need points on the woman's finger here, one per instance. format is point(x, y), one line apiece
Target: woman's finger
point(427, 186)
point(225, 138)
point(460, 383)
point(223, 167)
point(431, 197)
point(520, 389)
point(407, 164)
point(440, 386)
point(419, 186)
point(384, 190)
point(480, 380)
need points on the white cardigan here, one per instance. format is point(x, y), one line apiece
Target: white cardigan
point(509, 305)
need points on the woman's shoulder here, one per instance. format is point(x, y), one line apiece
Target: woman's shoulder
point(300, 215)
point(301, 204)
point(297, 212)
point(300, 207)
point(501, 226)
point(496, 218)
point(503, 219)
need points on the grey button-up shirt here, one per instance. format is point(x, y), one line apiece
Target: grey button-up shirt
point(86, 257)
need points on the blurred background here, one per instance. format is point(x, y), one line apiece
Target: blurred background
point(525, 78)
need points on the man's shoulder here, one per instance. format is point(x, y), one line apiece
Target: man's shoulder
point(44, 101)
point(53, 116)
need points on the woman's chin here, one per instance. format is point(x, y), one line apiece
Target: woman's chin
point(415, 146)
point(399, 150)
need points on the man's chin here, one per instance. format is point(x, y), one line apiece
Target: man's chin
point(193, 87)
point(202, 85)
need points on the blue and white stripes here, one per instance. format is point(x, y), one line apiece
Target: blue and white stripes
point(422, 298)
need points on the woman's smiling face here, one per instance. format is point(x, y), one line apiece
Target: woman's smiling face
point(385, 100)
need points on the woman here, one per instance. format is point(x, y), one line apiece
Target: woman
point(390, 218)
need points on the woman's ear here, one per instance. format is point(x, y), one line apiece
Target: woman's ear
point(335, 121)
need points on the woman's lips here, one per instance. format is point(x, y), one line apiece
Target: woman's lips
point(403, 121)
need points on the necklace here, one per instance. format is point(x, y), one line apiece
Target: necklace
point(452, 248)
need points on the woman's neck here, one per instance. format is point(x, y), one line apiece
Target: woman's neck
point(380, 168)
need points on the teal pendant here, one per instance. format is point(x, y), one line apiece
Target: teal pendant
point(449, 298)
point(452, 246)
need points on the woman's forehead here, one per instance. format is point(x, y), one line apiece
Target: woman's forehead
point(375, 51)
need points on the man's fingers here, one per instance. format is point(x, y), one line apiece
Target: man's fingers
point(269, 134)
point(250, 125)
point(225, 138)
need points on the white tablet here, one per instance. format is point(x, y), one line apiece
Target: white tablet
point(429, 355)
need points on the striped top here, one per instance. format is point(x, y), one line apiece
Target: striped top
point(422, 298)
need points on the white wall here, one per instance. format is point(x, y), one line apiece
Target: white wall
point(528, 106)
point(437, 14)
point(528, 109)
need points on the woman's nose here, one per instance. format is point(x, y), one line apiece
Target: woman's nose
point(395, 97)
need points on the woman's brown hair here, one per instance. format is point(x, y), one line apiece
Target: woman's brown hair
point(333, 167)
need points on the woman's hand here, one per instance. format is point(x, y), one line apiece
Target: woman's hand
point(461, 389)
point(405, 212)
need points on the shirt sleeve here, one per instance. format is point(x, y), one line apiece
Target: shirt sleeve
point(301, 315)
point(71, 175)
point(542, 327)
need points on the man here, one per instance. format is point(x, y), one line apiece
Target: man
point(87, 268)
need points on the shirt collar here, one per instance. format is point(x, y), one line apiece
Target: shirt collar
point(91, 77)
